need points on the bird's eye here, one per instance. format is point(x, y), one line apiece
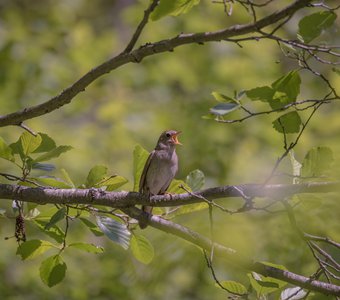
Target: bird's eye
point(168, 135)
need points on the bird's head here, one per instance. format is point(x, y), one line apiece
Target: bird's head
point(169, 138)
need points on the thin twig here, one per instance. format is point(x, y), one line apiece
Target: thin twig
point(141, 26)
point(23, 126)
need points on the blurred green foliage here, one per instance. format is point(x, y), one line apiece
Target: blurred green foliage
point(47, 45)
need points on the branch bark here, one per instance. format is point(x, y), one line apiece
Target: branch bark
point(126, 200)
point(42, 195)
point(233, 257)
point(137, 55)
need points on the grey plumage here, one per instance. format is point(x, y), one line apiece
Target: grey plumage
point(160, 168)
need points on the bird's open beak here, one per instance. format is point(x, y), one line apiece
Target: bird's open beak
point(174, 138)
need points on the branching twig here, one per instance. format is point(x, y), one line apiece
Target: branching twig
point(137, 55)
point(141, 26)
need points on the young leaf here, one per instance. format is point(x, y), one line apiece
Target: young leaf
point(53, 232)
point(140, 156)
point(67, 178)
point(263, 93)
point(115, 182)
point(58, 216)
point(53, 153)
point(264, 285)
point(233, 287)
point(222, 109)
point(47, 144)
point(195, 180)
point(142, 249)
point(288, 86)
point(288, 123)
point(294, 293)
point(172, 7)
point(93, 227)
point(310, 27)
point(175, 187)
point(96, 174)
point(223, 98)
point(87, 247)
point(52, 270)
point(6, 151)
point(51, 181)
point(112, 182)
point(33, 248)
point(29, 142)
point(115, 231)
point(317, 161)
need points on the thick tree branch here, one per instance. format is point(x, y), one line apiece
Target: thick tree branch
point(137, 55)
point(125, 199)
point(233, 257)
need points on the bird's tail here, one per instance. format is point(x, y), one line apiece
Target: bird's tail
point(143, 222)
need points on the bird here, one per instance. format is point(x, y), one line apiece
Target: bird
point(159, 169)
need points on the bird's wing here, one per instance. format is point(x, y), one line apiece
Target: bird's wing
point(145, 170)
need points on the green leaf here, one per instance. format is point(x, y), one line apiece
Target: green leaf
point(195, 180)
point(288, 123)
point(58, 216)
point(294, 293)
point(33, 248)
point(286, 88)
point(53, 153)
point(53, 232)
point(270, 264)
point(140, 156)
point(172, 7)
point(87, 247)
point(263, 93)
point(222, 109)
point(115, 231)
point(175, 187)
point(29, 142)
point(96, 174)
point(67, 178)
point(52, 270)
point(311, 26)
point(112, 183)
point(93, 227)
point(6, 151)
point(52, 182)
point(233, 287)
point(317, 162)
point(264, 285)
point(47, 144)
point(142, 249)
point(16, 147)
point(209, 117)
point(223, 98)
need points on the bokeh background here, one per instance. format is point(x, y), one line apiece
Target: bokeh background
point(47, 45)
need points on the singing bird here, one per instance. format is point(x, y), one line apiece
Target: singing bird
point(160, 168)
